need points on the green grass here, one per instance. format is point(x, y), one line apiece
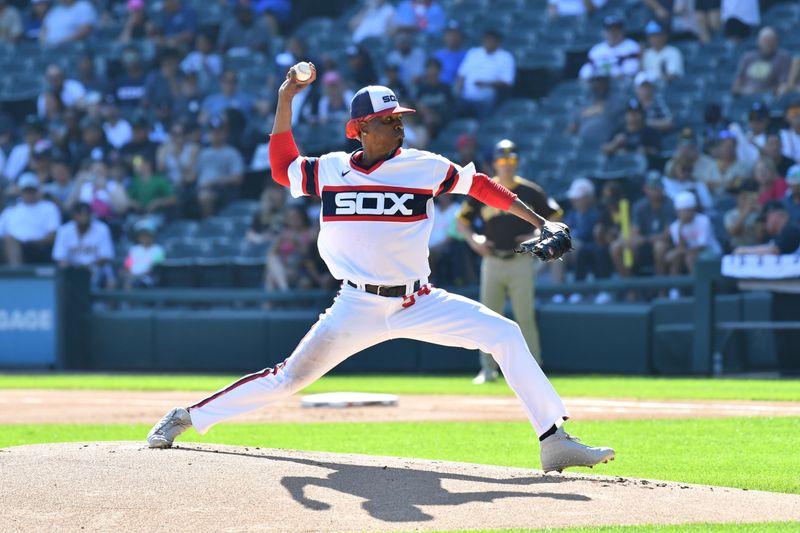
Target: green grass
point(752, 453)
point(569, 386)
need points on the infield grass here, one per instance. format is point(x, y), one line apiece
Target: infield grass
point(751, 453)
point(568, 386)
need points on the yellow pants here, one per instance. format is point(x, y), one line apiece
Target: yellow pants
point(511, 278)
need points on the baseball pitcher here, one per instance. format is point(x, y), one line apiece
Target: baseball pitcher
point(375, 221)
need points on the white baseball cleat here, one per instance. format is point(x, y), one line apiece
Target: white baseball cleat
point(485, 376)
point(173, 424)
point(561, 450)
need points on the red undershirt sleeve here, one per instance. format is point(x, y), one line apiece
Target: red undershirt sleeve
point(282, 151)
point(491, 193)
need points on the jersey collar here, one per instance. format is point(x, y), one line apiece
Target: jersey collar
point(357, 157)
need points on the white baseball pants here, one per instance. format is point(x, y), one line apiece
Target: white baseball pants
point(358, 320)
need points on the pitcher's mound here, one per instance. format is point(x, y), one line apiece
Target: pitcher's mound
point(116, 486)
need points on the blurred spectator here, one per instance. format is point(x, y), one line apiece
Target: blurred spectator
point(433, 97)
point(409, 59)
point(391, 79)
point(680, 179)
point(467, 152)
point(785, 234)
point(573, 8)
point(447, 259)
point(420, 15)
point(688, 151)
point(129, 86)
point(203, 60)
point(599, 117)
point(790, 137)
point(486, 73)
point(244, 33)
point(34, 19)
point(692, 234)
point(29, 227)
point(148, 193)
point(143, 257)
point(140, 143)
point(741, 222)
point(95, 186)
point(270, 218)
point(416, 134)
point(230, 97)
point(219, 171)
point(708, 19)
point(163, 85)
point(289, 261)
point(361, 71)
point(190, 97)
point(18, 157)
point(661, 60)
point(68, 21)
point(749, 143)
point(137, 25)
point(453, 53)
point(374, 19)
point(617, 55)
point(61, 187)
point(589, 257)
point(10, 23)
point(792, 83)
point(608, 230)
point(177, 158)
point(86, 242)
point(729, 171)
point(177, 25)
point(792, 200)
point(93, 145)
point(88, 76)
point(39, 162)
point(714, 123)
point(66, 91)
point(739, 18)
point(684, 19)
point(334, 104)
point(636, 136)
point(649, 236)
point(657, 114)
point(762, 71)
point(771, 186)
point(118, 131)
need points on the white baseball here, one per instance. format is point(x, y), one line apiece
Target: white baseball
point(302, 71)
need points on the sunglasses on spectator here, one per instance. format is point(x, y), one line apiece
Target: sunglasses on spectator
point(506, 160)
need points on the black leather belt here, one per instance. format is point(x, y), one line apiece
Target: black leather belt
point(390, 291)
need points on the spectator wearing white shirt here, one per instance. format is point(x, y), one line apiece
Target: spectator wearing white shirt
point(69, 92)
point(617, 55)
point(143, 257)
point(486, 72)
point(661, 60)
point(119, 131)
point(21, 153)
point(790, 137)
point(409, 59)
point(573, 8)
point(372, 20)
point(70, 20)
point(29, 227)
point(86, 242)
point(750, 141)
point(692, 234)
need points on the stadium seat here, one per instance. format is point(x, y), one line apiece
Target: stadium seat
point(179, 228)
point(176, 273)
point(214, 227)
point(213, 272)
point(623, 166)
point(248, 272)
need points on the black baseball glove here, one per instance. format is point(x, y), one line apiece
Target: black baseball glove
point(553, 242)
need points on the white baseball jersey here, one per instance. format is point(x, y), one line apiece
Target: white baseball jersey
point(86, 249)
point(376, 222)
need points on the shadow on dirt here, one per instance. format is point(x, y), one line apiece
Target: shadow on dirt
point(396, 494)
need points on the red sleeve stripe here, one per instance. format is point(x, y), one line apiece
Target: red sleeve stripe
point(449, 182)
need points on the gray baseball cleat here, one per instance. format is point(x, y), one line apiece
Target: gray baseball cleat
point(561, 450)
point(173, 424)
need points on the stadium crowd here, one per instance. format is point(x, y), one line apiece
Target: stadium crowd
point(120, 152)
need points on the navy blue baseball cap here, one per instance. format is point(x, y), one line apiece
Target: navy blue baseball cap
point(370, 102)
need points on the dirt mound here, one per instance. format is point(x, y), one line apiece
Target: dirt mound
point(113, 486)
